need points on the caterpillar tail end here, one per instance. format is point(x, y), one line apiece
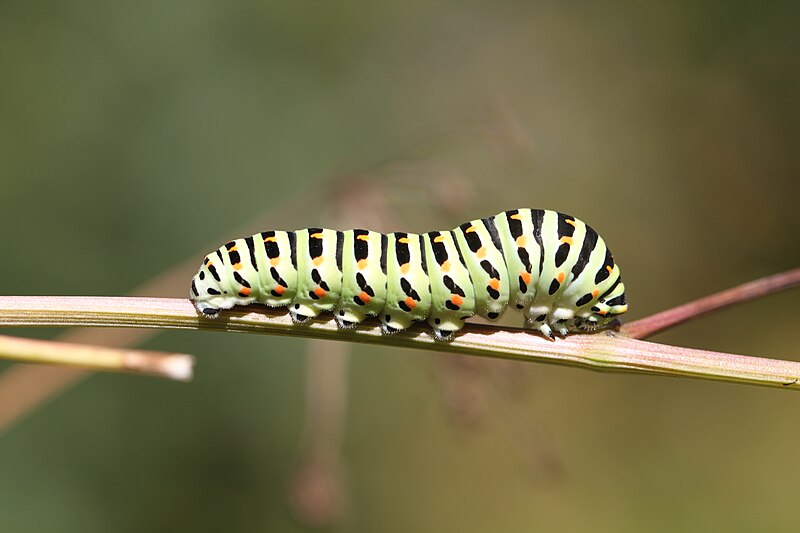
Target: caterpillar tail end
point(204, 309)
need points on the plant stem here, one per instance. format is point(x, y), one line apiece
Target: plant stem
point(649, 326)
point(606, 351)
point(169, 365)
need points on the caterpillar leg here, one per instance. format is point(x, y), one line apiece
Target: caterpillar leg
point(345, 324)
point(207, 310)
point(561, 328)
point(344, 320)
point(588, 324)
point(348, 318)
point(545, 330)
point(538, 318)
point(386, 329)
point(445, 330)
point(298, 315)
point(443, 335)
point(391, 324)
point(560, 319)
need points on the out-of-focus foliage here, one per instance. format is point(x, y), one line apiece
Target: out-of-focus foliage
point(134, 134)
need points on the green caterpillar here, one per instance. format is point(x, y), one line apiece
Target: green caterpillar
point(554, 268)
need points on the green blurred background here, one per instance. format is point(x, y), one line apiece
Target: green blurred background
point(134, 136)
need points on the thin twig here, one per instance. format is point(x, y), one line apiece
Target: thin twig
point(24, 388)
point(168, 365)
point(649, 326)
point(607, 351)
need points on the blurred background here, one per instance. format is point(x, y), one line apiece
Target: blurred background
point(135, 137)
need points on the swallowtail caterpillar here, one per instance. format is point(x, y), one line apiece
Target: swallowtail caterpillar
point(554, 268)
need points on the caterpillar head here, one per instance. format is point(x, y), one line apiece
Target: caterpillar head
point(601, 317)
point(610, 306)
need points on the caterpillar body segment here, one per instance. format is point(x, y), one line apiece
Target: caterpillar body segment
point(276, 258)
point(452, 295)
point(363, 277)
point(553, 267)
point(408, 291)
point(319, 272)
point(480, 248)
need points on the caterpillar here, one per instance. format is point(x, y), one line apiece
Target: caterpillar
point(553, 267)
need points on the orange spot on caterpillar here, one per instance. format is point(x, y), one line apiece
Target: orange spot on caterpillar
point(237, 266)
point(595, 293)
point(516, 217)
point(270, 239)
point(364, 297)
point(244, 291)
point(404, 268)
point(316, 235)
point(521, 240)
point(439, 238)
point(610, 270)
point(570, 221)
point(457, 300)
point(275, 261)
point(561, 277)
point(567, 240)
point(403, 240)
point(319, 291)
point(233, 249)
point(526, 277)
point(494, 283)
point(362, 264)
point(446, 266)
point(317, 261)
point(363, 237)
point(280, 289)
point(470, 229)
point(410, 302)
point(601, 312)
point(481, 253)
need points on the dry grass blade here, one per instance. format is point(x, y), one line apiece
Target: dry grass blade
point(607, 351)
point(167, 365)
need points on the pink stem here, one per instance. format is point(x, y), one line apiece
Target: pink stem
point(649, 326)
